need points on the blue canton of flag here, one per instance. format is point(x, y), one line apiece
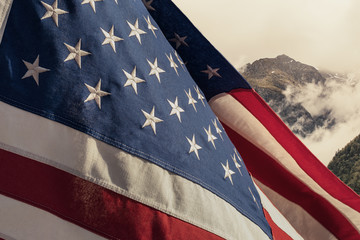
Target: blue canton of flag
point(106, 69)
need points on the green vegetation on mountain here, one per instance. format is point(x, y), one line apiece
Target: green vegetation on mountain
point(346, 164)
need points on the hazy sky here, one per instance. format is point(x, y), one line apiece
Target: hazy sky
point(322, 33)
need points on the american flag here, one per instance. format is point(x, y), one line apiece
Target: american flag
point(105, 134)
point(314, 201)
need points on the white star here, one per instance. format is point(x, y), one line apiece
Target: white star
point(110, 38)
point(200, 96)
point(151, 120)
point(192, 101)
point(254, 198)
point(150, 25)
point(53, 11)
point(175, 108)
point(211, 72)
point(76, 53)
point(194, 147)
point(179, 40)
point(218, 130)
point(211, 137)
point(34, 70)
point(96, 93)
point(116, 1)
point(155, 70)
point(92, 3)
point(179, 60)
point(172, 63)
point(148, 5)
point(135, 30)
point(228, 171)
point(237, 165)
point(132, 80)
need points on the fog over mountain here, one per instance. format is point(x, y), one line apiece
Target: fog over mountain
point(339, 95)
point(321, 108)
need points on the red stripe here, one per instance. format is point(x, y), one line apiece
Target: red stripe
point(305, 159)
point(273, 175)
point(87, 204)
point(278, 233)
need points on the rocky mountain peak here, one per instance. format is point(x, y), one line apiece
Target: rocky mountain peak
point(284, 58)
point(281, 71)
point(270, 77)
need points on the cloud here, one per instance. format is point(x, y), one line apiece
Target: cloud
point(241, 62)
point(341, 96)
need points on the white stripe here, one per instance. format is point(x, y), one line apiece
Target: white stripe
point(236, 116)
point(5, 6)
point(278, 218)
point(19, 220)
point(300, 219)
point(77, 153)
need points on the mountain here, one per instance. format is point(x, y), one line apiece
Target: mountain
point(346, 164)
point(279, 81)
point(273, 77)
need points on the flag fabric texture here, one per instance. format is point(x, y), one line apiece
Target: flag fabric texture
point(313, 199)
point(105, 134)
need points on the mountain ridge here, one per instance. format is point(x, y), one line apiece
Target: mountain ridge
point(271, 77)
point(282, 67)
